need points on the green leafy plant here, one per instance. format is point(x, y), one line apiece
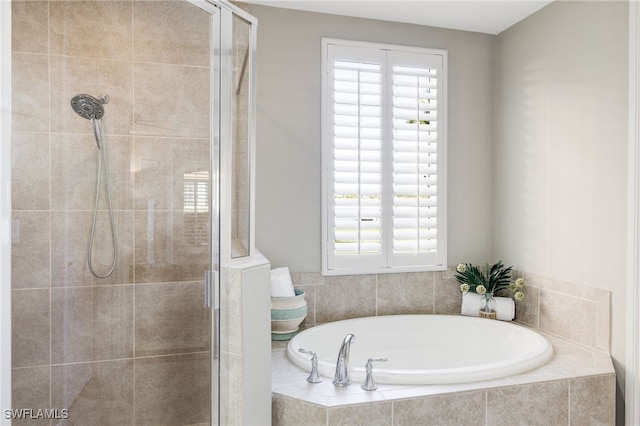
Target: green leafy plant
point(488, 280)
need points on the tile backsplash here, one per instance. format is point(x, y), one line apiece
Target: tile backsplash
point(568, 310)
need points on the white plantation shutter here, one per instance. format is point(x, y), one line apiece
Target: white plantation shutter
point(383, 147)
point(356, 104)
point(413, 79)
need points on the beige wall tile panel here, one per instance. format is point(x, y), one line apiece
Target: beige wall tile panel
point(159, 166)
point(343, 297)
point(172, 390)
point(30, 389)
point(365, 414)
point(592, 400)
point(447, 295)
point(30, 19)
point(171, 33)
point(568, 316)
point(30, 263)
point(95, 393)
point(91, 323)
point(307, 278)
point(29, 171)
point(170, 319)
point(171, 100)
point(165, 248)
point(29, 327)
point(74, 75)
point(407, 293)
point(74, 168)
point(535, 404)
point(29, 92)
point(70, 232)
point(76, 31)
point(293, 412)
point(465, 408)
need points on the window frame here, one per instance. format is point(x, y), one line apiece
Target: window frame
point(327, 160)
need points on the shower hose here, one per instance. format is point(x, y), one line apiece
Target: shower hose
point(99, 133)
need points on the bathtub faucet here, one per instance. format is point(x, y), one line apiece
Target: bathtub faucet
point(341, 378)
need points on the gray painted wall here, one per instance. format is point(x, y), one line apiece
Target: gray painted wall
point(288, 131)
point(561, 149)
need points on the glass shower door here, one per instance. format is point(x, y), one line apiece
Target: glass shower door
point(137, 347)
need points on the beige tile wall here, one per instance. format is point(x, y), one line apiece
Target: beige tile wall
point(343, 297)
point(132, 348)
point(568, 310)
point(580, 401)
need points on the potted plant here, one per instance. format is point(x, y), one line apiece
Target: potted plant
point(487, 282)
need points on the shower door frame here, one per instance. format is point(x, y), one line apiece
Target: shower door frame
point(221, 44)
point(5, 208)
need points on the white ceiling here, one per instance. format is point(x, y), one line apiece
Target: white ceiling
point(485, 16)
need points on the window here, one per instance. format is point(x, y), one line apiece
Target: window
point(196, 207)
point(383, 158)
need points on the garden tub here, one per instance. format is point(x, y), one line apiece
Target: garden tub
point(424, 349)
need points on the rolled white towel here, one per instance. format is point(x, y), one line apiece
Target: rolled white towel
point(473, 302)
point(281, 284)
point(505, 308)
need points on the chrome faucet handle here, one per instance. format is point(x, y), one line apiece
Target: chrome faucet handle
point(314, 377)
point(369, 384)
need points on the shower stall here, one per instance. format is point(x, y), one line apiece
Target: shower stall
point(121, 225)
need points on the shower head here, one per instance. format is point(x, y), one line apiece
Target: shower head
point(88, 107)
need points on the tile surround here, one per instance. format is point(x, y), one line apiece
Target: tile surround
point(549, 304)
point(577, 387)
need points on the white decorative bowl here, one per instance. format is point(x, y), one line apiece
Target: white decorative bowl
point(287, 313)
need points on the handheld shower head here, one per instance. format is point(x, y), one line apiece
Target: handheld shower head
point(86, 106)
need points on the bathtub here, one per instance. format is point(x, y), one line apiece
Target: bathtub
point(424, 349)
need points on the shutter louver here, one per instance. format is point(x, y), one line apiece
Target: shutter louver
point(414, 159)
point(357, 106)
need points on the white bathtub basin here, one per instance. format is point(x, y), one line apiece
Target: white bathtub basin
point(424, 349)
